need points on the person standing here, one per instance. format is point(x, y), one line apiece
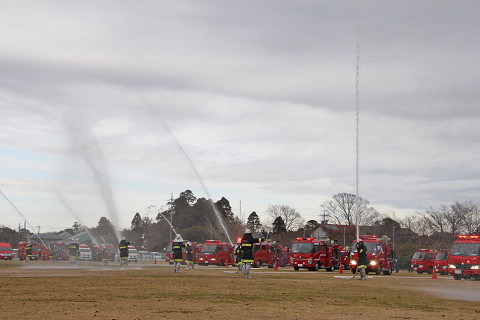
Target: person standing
point(28, 252)
point(362, 259)
point(74, 251)
point(123, 248)
point(189, 255)
point(239, 256)
point(397, 264)
point(177, 248)
point(103, 253)
point(247, 246)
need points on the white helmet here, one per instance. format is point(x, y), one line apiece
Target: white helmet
point(123, 238)
point(178, 237)
point(248, 231)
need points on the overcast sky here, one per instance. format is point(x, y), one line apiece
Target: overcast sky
point(109, 107)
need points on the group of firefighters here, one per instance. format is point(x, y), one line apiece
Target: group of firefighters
point(243, 253)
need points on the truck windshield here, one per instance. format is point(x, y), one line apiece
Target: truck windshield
point(465, 249)
point(441, 256)
point(5, 249)
point(209, 248)
point(85, 250)
point(302, 247)
point(418, 256)
point(371, 246)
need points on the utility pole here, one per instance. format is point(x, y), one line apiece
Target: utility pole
point(171, 216)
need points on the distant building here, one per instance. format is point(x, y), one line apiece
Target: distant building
point(46, 237)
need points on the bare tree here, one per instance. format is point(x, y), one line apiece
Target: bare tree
point(435, 219)
point(470, 214)
point(292, 219)
point(342, 209)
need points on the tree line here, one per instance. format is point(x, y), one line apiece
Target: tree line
point(199, 219)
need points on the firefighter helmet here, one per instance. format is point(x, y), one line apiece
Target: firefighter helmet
point(178, 237)
point(248, 231)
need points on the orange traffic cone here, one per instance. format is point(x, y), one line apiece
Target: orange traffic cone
point(434, 273)
point(341, 269)
point(276, 265)
point(155, 261)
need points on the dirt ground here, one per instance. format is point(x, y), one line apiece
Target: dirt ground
point(41, 290)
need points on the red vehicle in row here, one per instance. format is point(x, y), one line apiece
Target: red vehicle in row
point(423, 261)
point(263, 254)
point(315, 254)
point(464, 258)
point(441, 262)
point(111, 252)
point(6, 251)
point(196, 253)
point(379, 254)
point(214, 252)
point(22, 255)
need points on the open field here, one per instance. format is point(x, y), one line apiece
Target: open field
point(153, 291)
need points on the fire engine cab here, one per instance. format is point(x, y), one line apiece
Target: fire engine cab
point(380, 255)
point(216, 252)
point(440, 264)
point(314, 254)
point(464, 258)
point(423, 261)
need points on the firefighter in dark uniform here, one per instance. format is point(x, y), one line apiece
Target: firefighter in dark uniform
point(74, 251)
point(177, 248)
point(123, 248)
point(239, 256)
point(189, 255)
point(362, 259)
point(247, 246)
point(104, 255)
point(28, 252)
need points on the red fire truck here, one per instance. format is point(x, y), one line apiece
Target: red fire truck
point(464, 258)
point(315, 254)
point(380, 255)
point(263, 254)
point(196, 253)
point(423, 260)
point(6, 251)
point(216, 252)
point(440, 264)
point(21, 251)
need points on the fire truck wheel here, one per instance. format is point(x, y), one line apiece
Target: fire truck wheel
point(430, 270)
point(258, 264)
point(419, 271)
point(296, 268)
point(379, 269)
point(353, 270)
point(332, 267)
point(456, 277)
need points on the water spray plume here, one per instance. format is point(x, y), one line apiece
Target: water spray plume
point(25, 219)
point(168, 222)
point(91, 150)
point(192, 165)
point(77, 218)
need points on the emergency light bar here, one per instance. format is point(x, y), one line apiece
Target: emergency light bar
point(463, 236)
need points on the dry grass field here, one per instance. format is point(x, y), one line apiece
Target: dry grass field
point(40, 290)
